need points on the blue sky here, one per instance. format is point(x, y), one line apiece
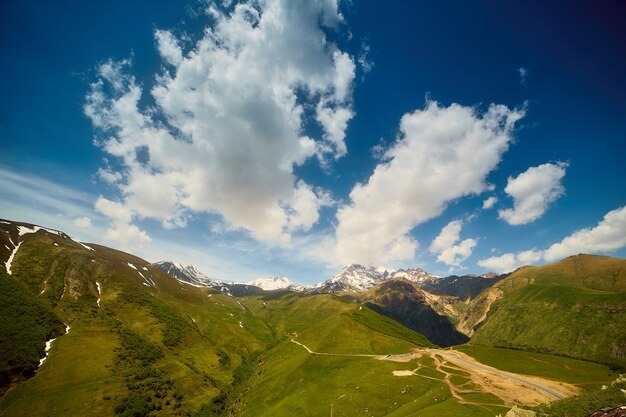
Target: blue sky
point(291, 138)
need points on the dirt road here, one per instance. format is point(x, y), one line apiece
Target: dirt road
point(452, 357)
point(513, 389)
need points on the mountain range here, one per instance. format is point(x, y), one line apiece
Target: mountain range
point(87, 329)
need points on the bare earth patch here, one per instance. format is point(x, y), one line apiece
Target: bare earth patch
point(403, 373)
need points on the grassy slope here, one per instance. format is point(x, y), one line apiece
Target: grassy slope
point(576, 307)
point(290, 381)
point(206, 349)
point(89, 370)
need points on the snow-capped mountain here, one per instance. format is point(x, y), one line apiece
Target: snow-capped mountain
point(185, 273)
point(269, 284)
point(417, 276)
point(360, 278)
point(353, 278)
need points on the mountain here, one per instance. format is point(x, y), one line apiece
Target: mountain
point(90, 330)
point(185, 273)
point(575, 307)
point(416, 275)
point(270, 284)
point(98, 331)
point(357, 278)
point(352, 278)
point(406, 303)
point(463, 287)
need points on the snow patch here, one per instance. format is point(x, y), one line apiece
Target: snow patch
point(8, 263)
point(131, 265)
point(46, 352)
point(24, 230)
point(3, 222)
point(84, 246)
point(99, 293)
point(241, 325)
point(49, 345)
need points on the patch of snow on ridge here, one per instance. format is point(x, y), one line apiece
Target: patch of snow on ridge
point(9, 261)
point(23, 230)
point(132, 266)
point(83, 245)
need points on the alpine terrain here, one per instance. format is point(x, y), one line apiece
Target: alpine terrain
point(90, 330)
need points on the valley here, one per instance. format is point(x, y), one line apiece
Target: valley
point(146, 341)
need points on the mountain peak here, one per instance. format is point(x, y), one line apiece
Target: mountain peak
point(273, 283)
point(185, 273)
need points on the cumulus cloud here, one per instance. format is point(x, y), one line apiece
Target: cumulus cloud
point(446, 247)
point(489, 202)
point(529, 257)
point(500, 264)
point(533, 191)
point(82, 222)
point(509, 261)
point(441, 154)
point(225, 131)
point(126, 234)
point(609, 234)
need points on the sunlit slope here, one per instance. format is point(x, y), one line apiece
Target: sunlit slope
point(341, 375)
point(327, 323)
point(576, 307)
point(151, 344)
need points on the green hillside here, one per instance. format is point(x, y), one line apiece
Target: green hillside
point(141, 343)
point(576, 307)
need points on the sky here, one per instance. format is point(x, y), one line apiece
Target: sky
point(291, 138)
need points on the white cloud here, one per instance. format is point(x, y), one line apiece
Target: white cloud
point(609, 234)
point(500, 264)
point(83, 222)
point(523, 74)
point(510, 262)
point(445, 246)
point(117, 212)
point(126, 234)
point(489, 202)
point(442, 153)
point(533, 191)
point(226, 130)
point(529, 257)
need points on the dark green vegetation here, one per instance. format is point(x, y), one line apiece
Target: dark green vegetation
point(575, 308)
point(154, 346)
point(404, 302)
point(26, 323)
